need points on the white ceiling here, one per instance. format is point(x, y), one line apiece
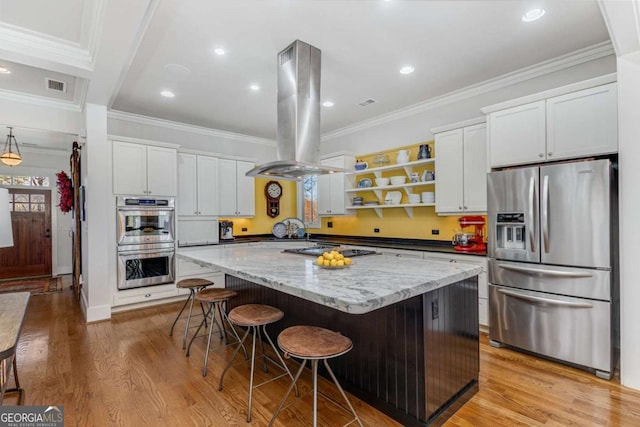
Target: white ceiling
point(451, 44)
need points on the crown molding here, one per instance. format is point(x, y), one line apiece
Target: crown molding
point(40, 101)
point(167, 124)
point(458, 125)
point(33, 48)
point(142, 141)
point(580, 56)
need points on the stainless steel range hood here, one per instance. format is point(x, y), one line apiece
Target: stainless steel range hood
point(298, 135)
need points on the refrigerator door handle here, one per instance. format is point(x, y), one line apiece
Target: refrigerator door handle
point(545, 272)
point(549, 301)
point(545, 213)
point(532, 195)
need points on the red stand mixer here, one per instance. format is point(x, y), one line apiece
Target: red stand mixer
point(466, 241)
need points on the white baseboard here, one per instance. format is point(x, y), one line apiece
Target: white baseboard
point(135, 306)
point(96, 313)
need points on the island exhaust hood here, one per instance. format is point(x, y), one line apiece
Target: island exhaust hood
point(298, 134)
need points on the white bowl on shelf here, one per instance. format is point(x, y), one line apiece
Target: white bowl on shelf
point(398, 179)
point(428, 197)
point(381, 182)
point(393, 197)
point(414, 199)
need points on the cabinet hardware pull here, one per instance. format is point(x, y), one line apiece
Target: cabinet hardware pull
point(540, 154)
point(147, 295)
point(549, 153)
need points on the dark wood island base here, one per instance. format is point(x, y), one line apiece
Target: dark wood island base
point(416, 360)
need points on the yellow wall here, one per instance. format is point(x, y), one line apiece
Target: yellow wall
point(394, 221)
point(262, 223)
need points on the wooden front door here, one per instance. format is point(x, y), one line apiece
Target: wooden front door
point(31, 221)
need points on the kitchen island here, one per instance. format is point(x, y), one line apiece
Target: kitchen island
point(413, 323)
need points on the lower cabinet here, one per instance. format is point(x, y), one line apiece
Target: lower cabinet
point(483, 292)
point(138, 297)
point(191, 270)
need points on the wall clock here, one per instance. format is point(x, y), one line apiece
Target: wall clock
point(273, 192)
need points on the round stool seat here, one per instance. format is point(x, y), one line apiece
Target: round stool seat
point(215, 294)
point(312, 342)
point(193, 283)
point(255, 315)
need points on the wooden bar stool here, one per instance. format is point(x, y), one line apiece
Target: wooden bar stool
point(314, 343)
point(215, 298)
point(254, 316)
point(194, 285)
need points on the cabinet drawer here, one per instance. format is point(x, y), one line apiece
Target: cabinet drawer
point(140, 295)
point(483, 311)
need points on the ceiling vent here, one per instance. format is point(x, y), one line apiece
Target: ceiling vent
point(55, 85)
point(367, 102)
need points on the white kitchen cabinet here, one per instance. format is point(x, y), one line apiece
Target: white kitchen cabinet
point(197, 185)
point(583, 123)
point(461, 171)
point(332, 199)
point(139, 297)
point(572, 125)
point(140, 169)
point(236, 191)
point(483, 291)
point(517, 135)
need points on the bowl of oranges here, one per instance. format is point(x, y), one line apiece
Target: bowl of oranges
point(333, 260)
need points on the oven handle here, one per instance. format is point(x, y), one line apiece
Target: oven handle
point(147, 252)
point(145, 210)
point(550, 301)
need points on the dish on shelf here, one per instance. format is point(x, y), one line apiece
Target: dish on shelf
point(398, 179)
point(374, 203)
point(381, 160)
point(279, 230)
point(393, 198)
point(364, 183)
point(381, 182)
point(293, 226)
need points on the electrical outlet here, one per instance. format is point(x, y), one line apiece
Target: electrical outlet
point(330, 224)
point(376, 230)
point(435, 232)
point(244, 228)
point(435, 309)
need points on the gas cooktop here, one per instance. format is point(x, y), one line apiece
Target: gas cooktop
point(319, 250)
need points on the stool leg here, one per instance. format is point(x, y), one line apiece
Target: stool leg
point(178, 316)
point(206, 354)
point(284, 399)
point(192, 296)
point(235, 334)
point(264, 356)
point(204, 321)
point(314, 377)
point(344, 396)
point(235, 352)
point(256, 331)
point(284, 365)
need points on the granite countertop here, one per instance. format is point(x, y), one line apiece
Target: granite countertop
point(371, 282)
point(440, 246)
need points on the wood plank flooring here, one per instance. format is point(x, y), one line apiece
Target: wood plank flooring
point(129, 372)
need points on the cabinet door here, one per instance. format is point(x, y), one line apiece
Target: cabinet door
point(583, 123)
point(227, 189)
point(246, 190)
point(187, 185)
point(449, 171)
point(207, 178)
point(331, 195)
point(161, 171)
point(517, 135)
point(129, 168)
point(475, 169)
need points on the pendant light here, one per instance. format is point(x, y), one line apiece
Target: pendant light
point(11, 153)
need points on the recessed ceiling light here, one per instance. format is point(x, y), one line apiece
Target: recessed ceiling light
point(254, 87)
point(533, 15)
point(407, 69)
point(4, 70)
point(167, 94)
point(327, 104)
point(219, 51)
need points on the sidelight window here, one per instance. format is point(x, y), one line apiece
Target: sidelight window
point(308, 201)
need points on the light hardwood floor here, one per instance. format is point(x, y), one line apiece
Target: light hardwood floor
point(129, 372)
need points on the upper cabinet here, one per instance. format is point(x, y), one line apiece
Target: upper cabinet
point(236, 190)
point(197, 185)
point(576, 124)
point(461, 170)
point(140, 169)
point(332, 199)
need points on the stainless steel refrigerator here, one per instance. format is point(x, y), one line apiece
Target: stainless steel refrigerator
point(553, 262)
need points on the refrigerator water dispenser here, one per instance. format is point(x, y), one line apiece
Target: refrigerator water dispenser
point(510, 231)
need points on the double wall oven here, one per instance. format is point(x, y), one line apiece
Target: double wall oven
point(145, 236)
